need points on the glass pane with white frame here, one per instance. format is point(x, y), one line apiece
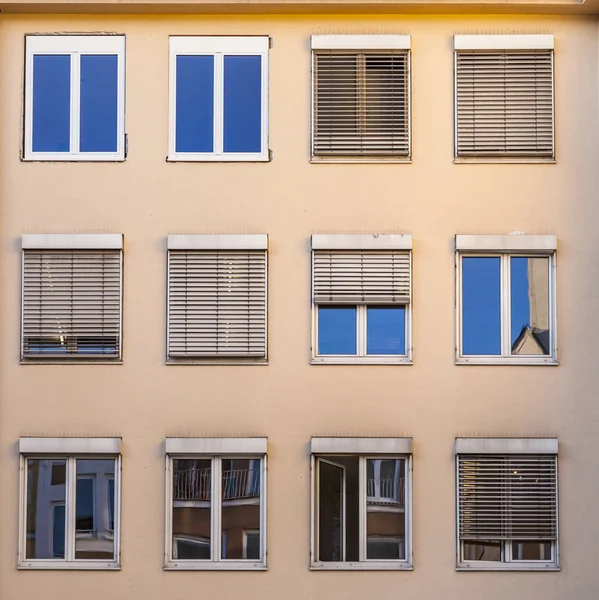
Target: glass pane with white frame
point(70, 509)
point(505, 306)
point(360, 509)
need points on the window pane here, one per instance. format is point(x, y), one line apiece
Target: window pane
point(51, 103)
point(94, 509)
point(252, 545)
point(386, 509)
point(195, 104)
point(243, 104)
point(529, 302)
point(530, 550)
point(240, 503)
point(45, 509)
point(489, 550)
point(336, 330)
point(386, 330)
point(191, 508)
point(99, 103)
point(481, 306)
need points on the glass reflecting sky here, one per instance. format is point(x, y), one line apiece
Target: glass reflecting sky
point(336, 330)
point(386, 330)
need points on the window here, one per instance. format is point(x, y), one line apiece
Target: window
point(75, 97)
point(217, 298)
point(361, 503)
point(361, 104)
point(504, 97)
point(507, 503)
point(72, 295)
point(506, 299)
point(361, 298)
point(216, 503)
point(70, 512)
point(219, 98)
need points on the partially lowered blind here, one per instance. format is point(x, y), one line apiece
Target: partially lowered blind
point(361, 103)
point(361, 276)
point(508, 497)
point(217, 304)
point(71, 304)
point(504, 103)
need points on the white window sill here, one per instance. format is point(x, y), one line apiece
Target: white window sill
point(361, 360)
point(69, 361)
point(232, 157)
point(223, 565)
point(66, 157)
point(216, 362)
point(60, 565)
point(515, 160)
point(367, 160)
point(512, 360)
point(362, 566)
point(508, 567)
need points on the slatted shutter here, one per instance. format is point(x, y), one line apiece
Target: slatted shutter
point(507, 497)
point(217, 304)
point(361, 277)
point(71, 304)
point(504, 103)
point(361, 103)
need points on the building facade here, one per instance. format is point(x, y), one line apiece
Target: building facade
point(292, 290)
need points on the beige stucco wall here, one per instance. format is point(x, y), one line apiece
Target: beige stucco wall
point(434, 400)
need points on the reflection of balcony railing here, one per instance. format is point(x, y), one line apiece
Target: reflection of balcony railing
point(386, 491)
point(194, 484)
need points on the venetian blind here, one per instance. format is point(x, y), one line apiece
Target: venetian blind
point(361, 276)
point(217, 304)
point(510, 497)
point(361, 103)
point(71, 303)
point(504, 103)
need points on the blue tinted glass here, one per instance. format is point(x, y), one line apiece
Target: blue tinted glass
point(51, 103)
point(85, 504)
point(481, 306)
point(99, 99)
point(386, 330)
point(529, 305)
point(195, 104)
point(243, 104)
point(337, 330)
point(58, 532)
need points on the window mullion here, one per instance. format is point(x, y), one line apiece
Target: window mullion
point(75, 101)
point(70, 508)
point(219, 109)
point(505, 306)
point(216, 495)
point(361, 330)
point(362, 509)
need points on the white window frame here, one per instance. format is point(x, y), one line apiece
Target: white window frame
point(364, 42)
point(74, 46)
point(505, 446)
point(500, 42)
point(505, 247)
point(362, 242)
point(215, 449)
point(218, 47)
point(70, 450)
point(324, 449)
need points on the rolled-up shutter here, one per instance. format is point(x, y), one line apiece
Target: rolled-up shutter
point(361, 277)
point(507, 497)
point(217, 304)
point(361, 103)
point(504, 103)
point(71, 304)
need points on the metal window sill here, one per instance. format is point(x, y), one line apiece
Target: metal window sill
point(58, 565)
point(489, 160)
point(242, 362)
point(367, 160)
point(218, 159)
point(214, 566)
point(72, 158)
point(362, 566)
point(69, 361)
point(547, 362)
point(360, 360)
point(508, 567)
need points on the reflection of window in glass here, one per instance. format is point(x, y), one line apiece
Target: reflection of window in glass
point(78, 496)
point(360, 509)
point(507, 509)
point(506, 307)
point(216, 505)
